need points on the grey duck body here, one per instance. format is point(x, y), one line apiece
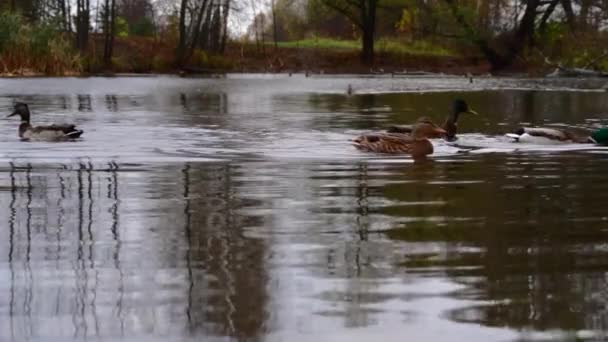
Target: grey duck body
point(44, 133)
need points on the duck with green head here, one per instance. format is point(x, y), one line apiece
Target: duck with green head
point(44, 133)
point(551, 136)
point(600, 136)
point(450, 125)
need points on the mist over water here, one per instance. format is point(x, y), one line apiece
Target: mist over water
point(236, 208)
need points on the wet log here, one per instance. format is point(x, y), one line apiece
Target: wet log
point(576, 72)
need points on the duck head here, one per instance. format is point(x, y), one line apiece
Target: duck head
point(459, 106)
point(520, 131)
point(425, 128)
point(22, 110)
point(600, 136)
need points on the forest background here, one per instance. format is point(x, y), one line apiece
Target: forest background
point(76, 37)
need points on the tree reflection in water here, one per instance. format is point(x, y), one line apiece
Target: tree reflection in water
point(77, 235)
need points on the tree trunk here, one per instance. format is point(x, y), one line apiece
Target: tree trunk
point(542, 27)
point(205, 41)
point(584, 13)
point(483, 13)
point(109, 28)
point(106, 33)
point(181, 45)
point(368, 28)
point(197, 27)
point(494, 58)
point(225, 28)
point(69, 15)
point(525, 33)
point(216, 27)
point(263, 23)
point(112, 29)
point(567, 5)
point(367, 54)
point(77, 19)
point(82, 24)
point(64, 14)
point(274, 24)
point(255, 26)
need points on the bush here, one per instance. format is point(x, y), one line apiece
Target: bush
point(160, 63)
point(10, 25)
point(27, 48)
point(220, 63)
point(199, 58)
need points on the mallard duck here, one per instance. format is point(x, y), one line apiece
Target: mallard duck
point(415, 144)
point(599, 136)
point(450, 125)
point(52, 132)
point(547, 136)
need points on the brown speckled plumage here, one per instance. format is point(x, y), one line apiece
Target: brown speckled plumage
point(415, 144)
point(450, 124)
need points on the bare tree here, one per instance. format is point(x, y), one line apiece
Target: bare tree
point(109, 30)
point(181, 45)
point(83, 23)
point(362, 13)
point(273, 8)
point(225, 14)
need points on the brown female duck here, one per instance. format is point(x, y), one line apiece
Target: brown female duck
point(450, 125)
point(416, 144)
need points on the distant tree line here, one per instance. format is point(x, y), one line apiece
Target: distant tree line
point(502, 31)
point(202, 24)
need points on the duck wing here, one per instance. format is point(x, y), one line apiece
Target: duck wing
point(56, 131)
point(549, 133)
point(402, 129)
point(384, 143)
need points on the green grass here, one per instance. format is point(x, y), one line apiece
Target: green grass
point(382, 45)
point(322, 43)
point(415, 48)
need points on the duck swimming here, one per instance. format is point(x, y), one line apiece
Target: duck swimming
point(416, 144)
point(450, 125)
point(48, 133)
point(550, 136)
point(547, 136)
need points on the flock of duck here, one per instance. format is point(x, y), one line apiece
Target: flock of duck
point(408, 139)
point(414, 139)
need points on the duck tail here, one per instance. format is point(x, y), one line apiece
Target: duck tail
point(75, 133)
point(513, 136)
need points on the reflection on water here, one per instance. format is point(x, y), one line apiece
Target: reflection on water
point(104, 252)
point(241, 212)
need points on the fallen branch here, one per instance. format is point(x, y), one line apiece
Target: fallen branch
point(561, 71)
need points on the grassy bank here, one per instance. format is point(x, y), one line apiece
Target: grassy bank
point(146, 55)
point(34, 49)
point(41, 49)
point(417, 48)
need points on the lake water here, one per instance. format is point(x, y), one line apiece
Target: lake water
point(235, 208)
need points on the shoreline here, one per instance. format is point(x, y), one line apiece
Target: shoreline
point(223, 73)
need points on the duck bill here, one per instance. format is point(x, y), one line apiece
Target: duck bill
point(440, 131)
point(470, 111)
point(12, 114)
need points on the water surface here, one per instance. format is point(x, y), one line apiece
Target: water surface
point(235, 209)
